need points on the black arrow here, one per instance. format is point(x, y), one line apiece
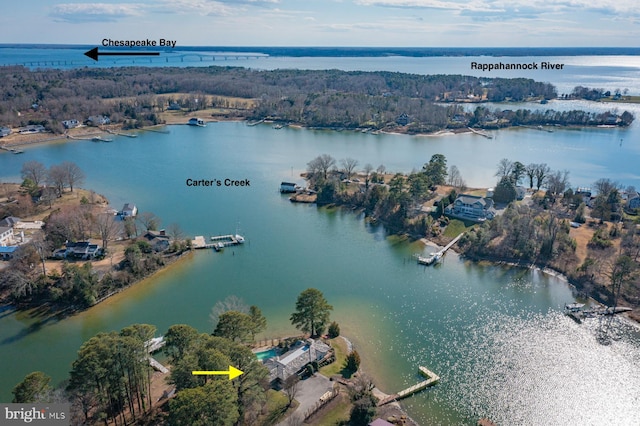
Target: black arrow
point(93, 53)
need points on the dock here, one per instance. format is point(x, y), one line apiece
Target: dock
point(218, 242)
point(128, 135)
point(431, 379)
point(13, 150)
point(152, 346)
point(480, 133)
point(435, 257)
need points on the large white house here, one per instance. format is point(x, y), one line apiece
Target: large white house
point(471, 207)
point(301, 354)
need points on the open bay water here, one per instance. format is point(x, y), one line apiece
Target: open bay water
point(619, 69)
point(494, 335)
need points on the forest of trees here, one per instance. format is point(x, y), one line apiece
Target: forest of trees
point(323, 98)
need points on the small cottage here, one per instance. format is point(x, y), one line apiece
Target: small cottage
point(129, 210)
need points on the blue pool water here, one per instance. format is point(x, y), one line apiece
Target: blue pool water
point(266, 354)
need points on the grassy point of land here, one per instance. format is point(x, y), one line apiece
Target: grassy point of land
point(339, 345)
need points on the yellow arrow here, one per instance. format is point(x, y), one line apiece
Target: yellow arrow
point(233, 373)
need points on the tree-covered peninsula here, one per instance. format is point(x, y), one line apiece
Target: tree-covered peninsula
point(392, 101)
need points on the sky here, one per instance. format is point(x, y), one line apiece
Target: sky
point(401, 23)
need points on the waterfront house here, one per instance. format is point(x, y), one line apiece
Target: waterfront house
point(77, 250)
point(521, 191)
point(10, 221)
point(5, 131)
point(81, 250)
point(98, 120)
point(129, 210)
point(6, 236)
point(402, 119)
point(70, 124)
point(296, 359)
point(174, 106)
point(32, 128)
point(159, 240)
point(195, 121)
point(633, 202)
point(288, 187)
point(471, 207)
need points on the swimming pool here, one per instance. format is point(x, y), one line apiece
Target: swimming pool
point(266, 354)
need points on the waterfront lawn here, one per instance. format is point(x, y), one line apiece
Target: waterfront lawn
point(340, 347)
point(456, 227)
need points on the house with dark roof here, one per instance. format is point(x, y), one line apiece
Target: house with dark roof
point(402, 119)
point(296, 359)
point(129, 210)
point(159, 240)
point(471, 207)
point(9, 221)
point(633, 202)
point(98, 120)
point(70, 124)
point(81, 250)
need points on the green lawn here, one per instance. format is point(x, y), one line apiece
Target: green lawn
point(336, 413)
point(340, 346)
point(276, 408)
point(455, 228)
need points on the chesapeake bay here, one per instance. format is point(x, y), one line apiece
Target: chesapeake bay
point(494, 335)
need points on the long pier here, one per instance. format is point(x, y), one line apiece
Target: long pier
point(435, 257)
point(432, 379)
point(480, 133)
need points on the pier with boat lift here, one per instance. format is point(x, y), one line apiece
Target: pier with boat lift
point(436, 257)
point(431, 379)
point(218, 242)
point(152, 346)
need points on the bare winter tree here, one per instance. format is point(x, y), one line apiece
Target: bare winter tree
point(34, 170)
point(150, 221)
point(57, 177)
point(505, 167)
point(107, 227)
point(321, 165)
point(291, 388)
point(175, 232)
point(73, 174)
point(558, 182)
point(455, 178)
point(230, 303)
point(349, 165)
point(541, 172)
point(368, 168)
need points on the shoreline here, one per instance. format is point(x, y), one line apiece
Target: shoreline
point(380, 394)
point(16, 140)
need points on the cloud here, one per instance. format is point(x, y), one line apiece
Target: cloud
point(95, 12)
point(516, 8)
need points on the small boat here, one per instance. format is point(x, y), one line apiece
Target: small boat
point(239, 239)
point(430, 260)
